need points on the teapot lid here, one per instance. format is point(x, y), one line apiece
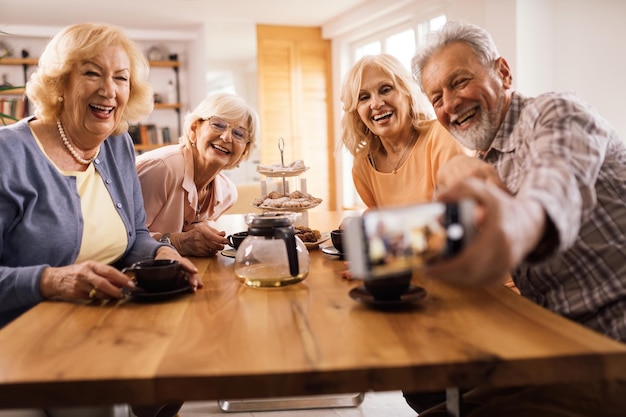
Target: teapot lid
point(270, 219)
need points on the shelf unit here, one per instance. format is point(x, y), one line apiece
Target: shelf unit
point(144, 147)
point(13, 93)
point(173, 64)
point(18, 61)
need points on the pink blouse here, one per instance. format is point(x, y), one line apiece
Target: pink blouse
point(170, 194)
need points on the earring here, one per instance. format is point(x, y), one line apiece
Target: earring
point(60, 99)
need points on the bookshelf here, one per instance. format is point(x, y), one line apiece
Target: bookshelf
point(148, 136)
point(12, 105)
point(13, 99)
point(177, 105)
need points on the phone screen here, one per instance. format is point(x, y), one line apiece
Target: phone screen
point(390, 240)
point(404, 238)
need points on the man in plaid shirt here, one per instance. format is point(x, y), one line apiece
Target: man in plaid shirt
point(550, 183)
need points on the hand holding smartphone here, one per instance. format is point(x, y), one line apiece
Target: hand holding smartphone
point(386, 241)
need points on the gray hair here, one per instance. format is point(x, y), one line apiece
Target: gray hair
point(228, 106)
point(474, 36)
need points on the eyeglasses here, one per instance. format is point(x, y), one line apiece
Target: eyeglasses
point(220, 125)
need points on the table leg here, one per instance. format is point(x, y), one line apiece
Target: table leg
point(292, 403)
point(454, 402)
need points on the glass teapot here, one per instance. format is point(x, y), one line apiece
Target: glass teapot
point(271, 255)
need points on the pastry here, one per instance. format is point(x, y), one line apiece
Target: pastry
point(306, 234)
point(294, 200)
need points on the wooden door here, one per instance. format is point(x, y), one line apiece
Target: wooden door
point(295, 103)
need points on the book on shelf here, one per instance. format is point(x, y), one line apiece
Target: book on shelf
point(165, 135)
point(149, 134)
point(133, 131)
point(13, 107)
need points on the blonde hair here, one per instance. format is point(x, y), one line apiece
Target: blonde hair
point(227, 106)
point(355, 136)
point(76, 44)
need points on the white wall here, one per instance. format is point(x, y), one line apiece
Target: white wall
point(535, 72)
point(551, 45)
point(577, 46)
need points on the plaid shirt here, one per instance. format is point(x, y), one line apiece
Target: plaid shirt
point(557, 150)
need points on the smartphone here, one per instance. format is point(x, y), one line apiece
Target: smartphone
point(390, 240)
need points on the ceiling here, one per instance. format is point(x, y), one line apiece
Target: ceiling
point(228, 25)
point(173, 14)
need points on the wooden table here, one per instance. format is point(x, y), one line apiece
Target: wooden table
point(230, 341)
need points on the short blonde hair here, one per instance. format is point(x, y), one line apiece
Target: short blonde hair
point(74, 45)
point(228, 106)
point(354, 134)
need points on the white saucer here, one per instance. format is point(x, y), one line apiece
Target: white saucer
point(331, 250)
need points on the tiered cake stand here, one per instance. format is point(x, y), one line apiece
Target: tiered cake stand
point(286, 181)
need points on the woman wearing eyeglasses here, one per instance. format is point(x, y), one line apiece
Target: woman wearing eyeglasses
point(183, 186)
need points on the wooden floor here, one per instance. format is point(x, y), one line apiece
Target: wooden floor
point(388, 404)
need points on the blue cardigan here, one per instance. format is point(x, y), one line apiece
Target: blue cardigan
point(41, 221)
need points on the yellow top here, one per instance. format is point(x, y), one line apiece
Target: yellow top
point(104, 235)
point(414, 181)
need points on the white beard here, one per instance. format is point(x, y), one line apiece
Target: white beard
point(477, 137)
point(480, 136)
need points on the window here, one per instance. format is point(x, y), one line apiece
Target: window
point(400, 42)
point(402, 46)
point(371, 48)
point(433, 24)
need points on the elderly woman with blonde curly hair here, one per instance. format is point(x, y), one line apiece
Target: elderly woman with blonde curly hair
point(398, 146)
point(70, 169)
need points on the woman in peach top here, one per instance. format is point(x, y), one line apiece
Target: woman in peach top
point(397, 146)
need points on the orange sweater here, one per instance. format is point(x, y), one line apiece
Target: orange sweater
point(414, 181)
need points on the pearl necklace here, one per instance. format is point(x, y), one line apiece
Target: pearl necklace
point(408, 144)
point(71, 149)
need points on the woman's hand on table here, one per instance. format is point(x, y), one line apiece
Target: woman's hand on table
point(190, 270)
point(85, 280)
point(201, 240)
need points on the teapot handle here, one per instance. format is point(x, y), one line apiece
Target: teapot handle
point(288, 236)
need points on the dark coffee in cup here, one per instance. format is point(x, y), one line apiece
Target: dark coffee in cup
point(236, 238)
point(336, 236)
point(156, 275)
point(389, 287)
